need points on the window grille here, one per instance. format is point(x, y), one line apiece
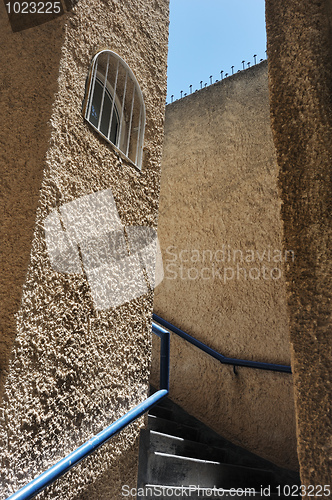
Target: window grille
point(114, 105)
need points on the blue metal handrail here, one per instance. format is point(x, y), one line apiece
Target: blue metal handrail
point(223, 359)
point(59, 469)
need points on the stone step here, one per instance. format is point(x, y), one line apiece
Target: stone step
point(178, 470)
point(162, 412)
point(179, 446)
point(179, 451)
point(234, 454)
point(172, 428)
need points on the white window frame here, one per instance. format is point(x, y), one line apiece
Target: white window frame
point(122, 147)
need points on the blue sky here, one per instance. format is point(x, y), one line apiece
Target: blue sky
point(207, 36)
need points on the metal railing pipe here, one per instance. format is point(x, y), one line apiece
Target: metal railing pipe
point(60, 468)
point(164, 355)
point(223, 359)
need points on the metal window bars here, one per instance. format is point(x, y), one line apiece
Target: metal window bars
point(114, 105)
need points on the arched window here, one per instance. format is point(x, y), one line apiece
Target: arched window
point(114, 105)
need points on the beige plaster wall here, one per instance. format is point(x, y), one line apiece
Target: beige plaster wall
point(73, 370)
point(219, 194)
point(28, 84)
point(299, 35)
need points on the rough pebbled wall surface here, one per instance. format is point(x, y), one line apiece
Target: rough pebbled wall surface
point(29, 81)
point(73, 370)
point(219, 193)
point(299, 35)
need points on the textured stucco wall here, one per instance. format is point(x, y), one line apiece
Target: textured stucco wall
point(299, 35)
point(28, 83)
point(219, 192)
point(73, 369)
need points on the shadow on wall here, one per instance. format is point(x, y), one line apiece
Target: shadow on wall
point(23, 15)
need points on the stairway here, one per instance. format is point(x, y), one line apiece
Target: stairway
point(180, 457)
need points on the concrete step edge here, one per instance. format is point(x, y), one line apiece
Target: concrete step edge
point(189, 459)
